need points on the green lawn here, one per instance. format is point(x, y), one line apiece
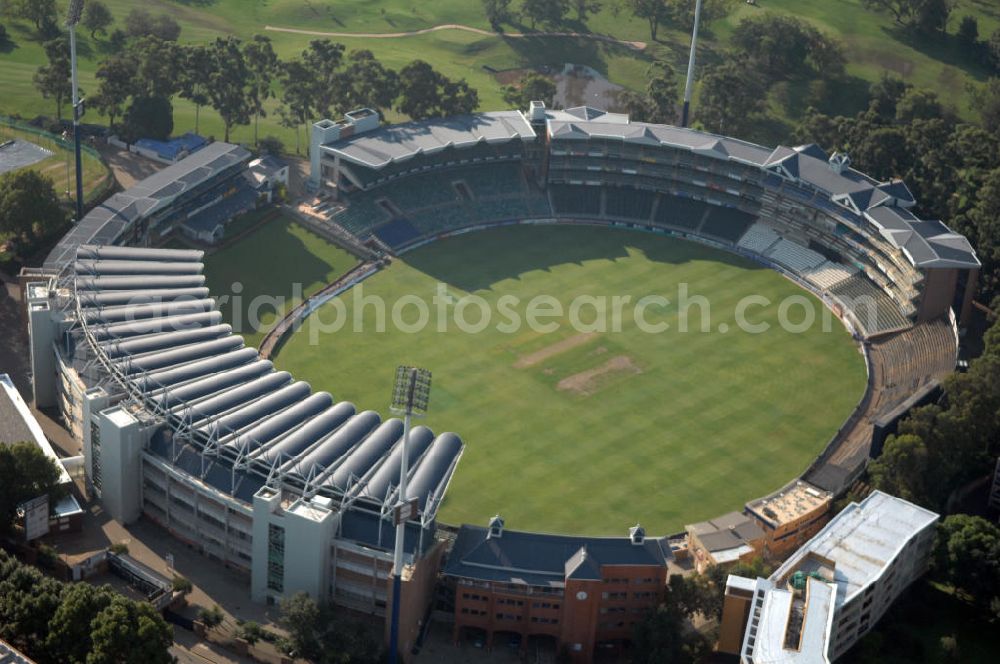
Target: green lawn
point(873, 42)
point(671, 428)
point(275, 266)
point(60, 166)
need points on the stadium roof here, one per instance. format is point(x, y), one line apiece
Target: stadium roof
point(393, 143)
point(171, 351)
point(541, 559)
point(654, 135)
point(106, 222)
point(860, 542)
point(929, 244)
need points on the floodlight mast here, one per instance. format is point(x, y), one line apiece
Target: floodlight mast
point(410, 396)
point(73, 16)
point(690, 73)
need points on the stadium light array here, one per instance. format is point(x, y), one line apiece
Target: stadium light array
point(412, 391)
point(411, 395)
point(74, 13)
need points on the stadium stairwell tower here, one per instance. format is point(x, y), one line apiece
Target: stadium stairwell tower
point(328, 131)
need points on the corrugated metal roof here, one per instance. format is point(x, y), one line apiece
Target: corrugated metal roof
point(390, 143)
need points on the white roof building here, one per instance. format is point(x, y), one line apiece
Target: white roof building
point(832, 590)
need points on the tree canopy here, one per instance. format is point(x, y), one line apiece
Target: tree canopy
point(29, 207)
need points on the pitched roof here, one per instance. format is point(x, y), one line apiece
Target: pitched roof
point(390, 143)
point(543, 559)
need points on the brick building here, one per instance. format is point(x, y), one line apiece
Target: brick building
point(577, 592)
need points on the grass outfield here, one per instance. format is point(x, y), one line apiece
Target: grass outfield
point(591, 434)
point(267, 263)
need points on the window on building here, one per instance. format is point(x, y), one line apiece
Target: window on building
point(275, 558)
point(95, 455)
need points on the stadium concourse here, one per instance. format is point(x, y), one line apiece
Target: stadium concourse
point(182, 423)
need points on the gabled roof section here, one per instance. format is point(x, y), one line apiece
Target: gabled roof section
point(900, 193)
point(812, 150)
point(928, 243)
point(561, 127)
point(392, 143)
point(543, 559)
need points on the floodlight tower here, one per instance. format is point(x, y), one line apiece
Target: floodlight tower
point(410, 396)
point(690, 75)
point(73, 16)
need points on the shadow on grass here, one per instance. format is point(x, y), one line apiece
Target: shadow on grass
point(479, 260)
point(845, 96)
point(534, 51)
point(943, 48)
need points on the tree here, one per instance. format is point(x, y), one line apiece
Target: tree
point(532, 87)
point(932, 15)
point(654, 11)
point(885, 95)
point(784, 46)
point(918, 104)
point(994, 49)
point(968, 31)
point(922, 15)
point(660, 637)
point(158, 62)
point(367, 83)
point(53, 80)
point(211, 617)
point(29, 207)
point(681, 12)
point(69, 638)
point(250, 632)
point(968, 552)
point(262, 64)
point(901, 468)
point(228, 91)
point(195, 78)
point(140, 23)
point(902, 10)
point(38, 12)
point(497, 12)
point(27, 472)
point(732, 95)
point(148, 117)
point(549, 13)
point(128, 631)
point(986, 100)
point(300, 615)
point(659, 102)
point(426, 93)
point(97, 17)
point(585, 7)
point(296, 97)
point(322, 61)
point(116, 76)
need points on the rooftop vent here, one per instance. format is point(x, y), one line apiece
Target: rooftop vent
point(839, 162)
point(637, 534)
point(496, 527)
point(536, 111)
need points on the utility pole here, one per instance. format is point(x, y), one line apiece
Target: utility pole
point(690, 76)
point(72, 19)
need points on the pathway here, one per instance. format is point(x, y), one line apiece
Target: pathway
point(637, 45)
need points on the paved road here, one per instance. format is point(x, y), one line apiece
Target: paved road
point(637, 45)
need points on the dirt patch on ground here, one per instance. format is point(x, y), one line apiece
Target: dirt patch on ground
point(531, 359)
point(588, 382)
